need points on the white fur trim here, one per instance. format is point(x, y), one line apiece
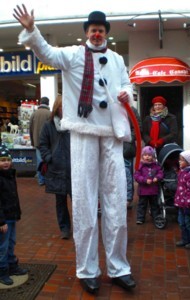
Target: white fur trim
point(86, 128)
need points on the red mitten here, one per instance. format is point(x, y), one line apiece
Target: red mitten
point(159, 143)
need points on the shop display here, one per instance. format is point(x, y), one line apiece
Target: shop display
point(17, 139)
point(18, 136)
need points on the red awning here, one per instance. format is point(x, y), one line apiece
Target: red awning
point(156, 69)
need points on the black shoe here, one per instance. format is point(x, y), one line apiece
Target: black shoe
point(4, 276)
point(18, 271)
point(6, 280)
point(180, 244)
point(126, 281)
point(90, 285)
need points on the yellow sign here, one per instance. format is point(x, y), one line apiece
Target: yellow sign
point(41, 67)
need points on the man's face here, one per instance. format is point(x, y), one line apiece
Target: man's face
point(96, 34)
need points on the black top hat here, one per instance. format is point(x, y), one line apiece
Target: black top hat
point(97, 17)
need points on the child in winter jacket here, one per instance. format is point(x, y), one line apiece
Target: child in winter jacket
point(9, 213)
point(182, 199)
point(148, 176)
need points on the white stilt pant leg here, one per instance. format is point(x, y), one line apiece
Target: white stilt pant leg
point(113, 191)
point(85, 182)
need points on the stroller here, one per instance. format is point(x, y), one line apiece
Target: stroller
point(168, 158)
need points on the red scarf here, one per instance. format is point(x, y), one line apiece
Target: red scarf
point(154, 132)
point(85, 100)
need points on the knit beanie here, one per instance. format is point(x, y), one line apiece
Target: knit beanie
point(159, 99)
point(4, 151)
point(148, 150)
point(186, 155)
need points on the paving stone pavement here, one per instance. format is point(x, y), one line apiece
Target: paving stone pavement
point(161, 270)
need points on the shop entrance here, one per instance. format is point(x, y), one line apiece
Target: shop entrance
point(174, 97)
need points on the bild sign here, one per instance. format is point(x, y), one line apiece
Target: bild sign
point(22, 63)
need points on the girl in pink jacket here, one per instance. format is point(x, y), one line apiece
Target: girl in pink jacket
point(182, 199)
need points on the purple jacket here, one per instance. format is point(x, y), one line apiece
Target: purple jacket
point(182, 196)
point(147, 171)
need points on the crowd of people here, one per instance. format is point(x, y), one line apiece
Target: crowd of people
point(80, 159)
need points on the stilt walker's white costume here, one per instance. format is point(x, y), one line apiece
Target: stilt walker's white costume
point(96, 155)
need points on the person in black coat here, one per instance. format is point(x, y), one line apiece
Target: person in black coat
point(160, 127)
point(54, 147)
point(10, 212)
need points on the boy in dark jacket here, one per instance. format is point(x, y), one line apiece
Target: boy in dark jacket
point(148, 176)
point(9, 213)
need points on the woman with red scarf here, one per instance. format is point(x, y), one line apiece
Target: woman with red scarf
point(160, 127)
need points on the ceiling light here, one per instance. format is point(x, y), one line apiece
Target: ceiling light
point(31, 85)
point(1, 50)
point(132, 25)
point(111, 38)
point(79, 40)
point(186, 25)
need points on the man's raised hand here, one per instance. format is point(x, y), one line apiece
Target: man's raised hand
point(26, 20)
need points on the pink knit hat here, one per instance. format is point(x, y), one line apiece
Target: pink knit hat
point(148, 150)
point(186, 155)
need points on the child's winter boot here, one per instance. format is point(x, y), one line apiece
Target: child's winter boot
point(4, 276)
point(15, 269)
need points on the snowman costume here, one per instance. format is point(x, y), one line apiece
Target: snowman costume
point(97, 164)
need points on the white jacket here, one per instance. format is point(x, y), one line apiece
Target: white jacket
point(70, 60)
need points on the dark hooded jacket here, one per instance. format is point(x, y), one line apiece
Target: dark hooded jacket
point(9, 199)
point(54, 147)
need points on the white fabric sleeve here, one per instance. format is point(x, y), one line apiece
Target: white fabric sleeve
point(57, 57)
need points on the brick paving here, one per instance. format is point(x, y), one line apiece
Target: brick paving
point(161, 270)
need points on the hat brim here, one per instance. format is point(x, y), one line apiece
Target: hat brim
point(88, 23)
point(6, 156)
